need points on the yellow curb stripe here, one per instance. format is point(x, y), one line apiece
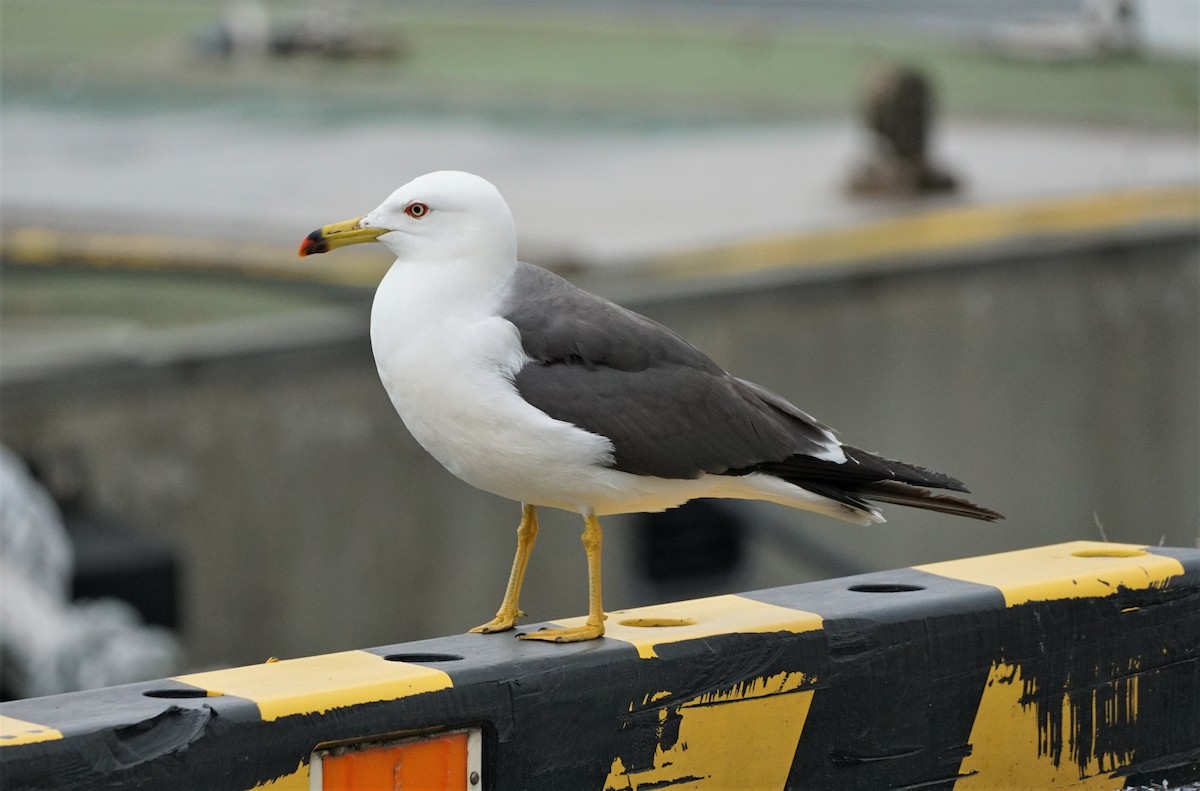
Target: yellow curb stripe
point(923, 233)
point(14, 732)
point(645, 628)
point(319, 683)
point(160, 252)
point(1073, 570)
point(937, 231)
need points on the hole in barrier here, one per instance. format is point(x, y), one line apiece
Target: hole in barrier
point(181, 693)
point(423, 659)
point(886, 587)
point(657, 622)
point(1109, 552)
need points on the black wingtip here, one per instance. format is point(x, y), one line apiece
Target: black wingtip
point(897, 493)
point(903, 471)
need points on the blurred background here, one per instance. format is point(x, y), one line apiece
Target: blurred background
point(963, 233)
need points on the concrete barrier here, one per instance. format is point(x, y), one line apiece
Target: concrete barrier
point(1066, 666)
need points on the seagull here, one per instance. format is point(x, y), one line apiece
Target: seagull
point(525, 386)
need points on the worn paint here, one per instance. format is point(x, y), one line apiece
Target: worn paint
point(1013, 747)
point(1097, 688)
point(741, 737)
point(296, 781)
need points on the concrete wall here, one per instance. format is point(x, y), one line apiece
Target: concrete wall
point(1063, 385)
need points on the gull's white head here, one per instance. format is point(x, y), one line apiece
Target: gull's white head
point(440, 216)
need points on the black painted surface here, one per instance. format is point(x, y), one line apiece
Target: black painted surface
point(901, 674)
point(897, 673)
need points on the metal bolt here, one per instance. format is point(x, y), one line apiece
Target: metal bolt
point(474, 778)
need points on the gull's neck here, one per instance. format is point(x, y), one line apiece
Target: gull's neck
point(451, 285)
point(420, 304)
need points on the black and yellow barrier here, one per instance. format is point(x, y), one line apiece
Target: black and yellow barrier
point(1068, 666)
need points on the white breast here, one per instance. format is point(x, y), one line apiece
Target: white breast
point(448, 368)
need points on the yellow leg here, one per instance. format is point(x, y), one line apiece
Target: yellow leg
point(510, 611)
point(594, 626)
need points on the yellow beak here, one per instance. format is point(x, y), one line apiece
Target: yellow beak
point(339, 234)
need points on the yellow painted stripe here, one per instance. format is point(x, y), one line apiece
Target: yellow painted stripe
point(937, 231)
point(1063, 571)
point(699, 618)
point(320, 683)
point(161, 252)
point(14, 731)
point(1008, 748)
point(927, 232)
point(745, 737)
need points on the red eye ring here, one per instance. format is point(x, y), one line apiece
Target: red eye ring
point(416, 210)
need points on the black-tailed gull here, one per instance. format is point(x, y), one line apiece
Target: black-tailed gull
point(525, 386)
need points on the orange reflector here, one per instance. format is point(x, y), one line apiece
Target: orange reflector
point(449, 761)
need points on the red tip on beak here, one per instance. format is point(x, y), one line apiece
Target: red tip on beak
point(314, 243)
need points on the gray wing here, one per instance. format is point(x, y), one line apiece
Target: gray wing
point(668, 409)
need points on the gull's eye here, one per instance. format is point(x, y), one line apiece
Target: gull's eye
point(416, 210)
